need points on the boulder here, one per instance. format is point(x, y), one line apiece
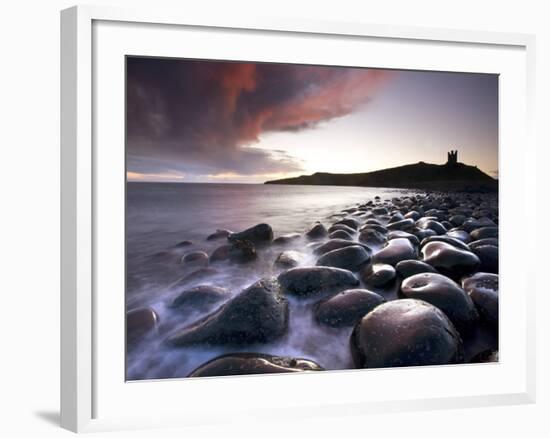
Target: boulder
point(347, 307)
point(304, 282)
point(140, 322)
point(200, 297)
point(351, 257)
point(260, 234)
point(317, 231)
point(377, 275)
point(408, 268)
point(450, 260)
point(483, 290)
point(395, 251)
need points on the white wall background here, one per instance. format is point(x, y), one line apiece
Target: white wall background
point(29, 215)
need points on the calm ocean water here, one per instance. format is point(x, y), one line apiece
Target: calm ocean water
point(159, 215)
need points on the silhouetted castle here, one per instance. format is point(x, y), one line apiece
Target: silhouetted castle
point(452, 157)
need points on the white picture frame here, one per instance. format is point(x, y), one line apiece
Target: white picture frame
point(86, 404)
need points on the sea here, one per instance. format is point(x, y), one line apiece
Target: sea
point(161, 215)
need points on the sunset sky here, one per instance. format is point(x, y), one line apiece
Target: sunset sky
point(207, 121)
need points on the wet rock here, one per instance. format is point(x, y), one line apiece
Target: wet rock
point(253, 363)
point(336, 244)
point(424, 234)
point(483, 290)
point(408, 268)
point(374, 227)
point(351, 258)
point(303, 282)
point(414, 215)
point(476, 243)
point(260, 234)
point(289, 259)
point(471, 224)
point(317, 231)
point(404, 235)
point(347, 307)
point(446, 295)
point(259, 314)
point(372, 237)
point(395, 251)
point(183, 244)
point(342, 227)
point(488, 256)
point(450, 260)
point(446, 239)
point(484, 233)
point(435, 226)
point(240, 251)
point(396, 217)
point(286, 239)
point(377, 275)
point(405, 332)
point(402, 225)
point(139, 322)
point(200, 297)
point(457, 219)
point(461, 235)
point(340, 234)
point(195, 258)
point(349, 222)
point(219, 234)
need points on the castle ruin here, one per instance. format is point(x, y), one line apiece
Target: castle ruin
point(452, 157)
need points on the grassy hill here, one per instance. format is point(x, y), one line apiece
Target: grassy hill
point(447, 177)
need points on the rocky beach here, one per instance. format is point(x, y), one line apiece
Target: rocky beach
point(388, 281)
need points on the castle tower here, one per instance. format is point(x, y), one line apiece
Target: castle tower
point(452, 157)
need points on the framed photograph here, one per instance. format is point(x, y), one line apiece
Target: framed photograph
point(260, 208)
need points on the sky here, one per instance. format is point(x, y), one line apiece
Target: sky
point(243, 122)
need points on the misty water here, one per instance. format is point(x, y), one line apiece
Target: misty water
point(160, 215)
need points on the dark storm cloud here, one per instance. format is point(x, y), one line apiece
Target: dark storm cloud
point(203, 117)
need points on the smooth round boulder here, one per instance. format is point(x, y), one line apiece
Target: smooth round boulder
point(237, 364)
point(404, 235)
point(401, 225)
point(305, 282)
point(333, 244)
point(195, 258)
point(289, 259)
point(483, 290)
point(317, 231)
point(435, 226)
point(447, 239)
point(489, 241)
point(346, 308)
point(461, 235)
point(260, 234)
point(340, 234)
point(342, 227)
point(183, 244)
point(377, 275)
point(446, 295)
point(484, 233)
point(240, 251)
point(414, 215)
point(349, 222)
point(450, 260)
point(488, 256)
point(408, 268)
point(200, 297)
point(286, 239)
point(472, 223)
point(372, 237)
point(139, 322)
point(423, 234)
point(219, 234)
point(395, 251)
point(457, 219)
point(259, 314)
point(351, 258)
point(405, 332)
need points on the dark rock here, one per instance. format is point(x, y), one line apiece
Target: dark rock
point(405, 333)
point(446, 239)
point(195, 258)
point(372, 237)
point(483, 290)
point(257, 314)
point(402, 225)
point(260, 234)
point(196, 276)
point(457, 219)
point(219, 234)
point(139, 322)
point(395, 251)
point(289, 259)
point(286, 239)
point(450, 260)
point(200, 297)
point(488, 255)
point(461, 235)
point(380, 211)
point(446, 295)
point(476, 243)
point(240, 251)
point(435, 226)
point(351, 258)
point(396, 217)
point(484, 233)
point(424, 234)
point(374, 227)
point(404, 235)
point(485, 356)
point(317, 231)
point(471, 224)
point(336, 244)
point(342, 227)
point(349, 222)
point(347, 307)
point(304, 282)
point(183, 244)
point(340, 234)
point(236, 364)
point(414, 215)
point(408, 268)
point(377, 274)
